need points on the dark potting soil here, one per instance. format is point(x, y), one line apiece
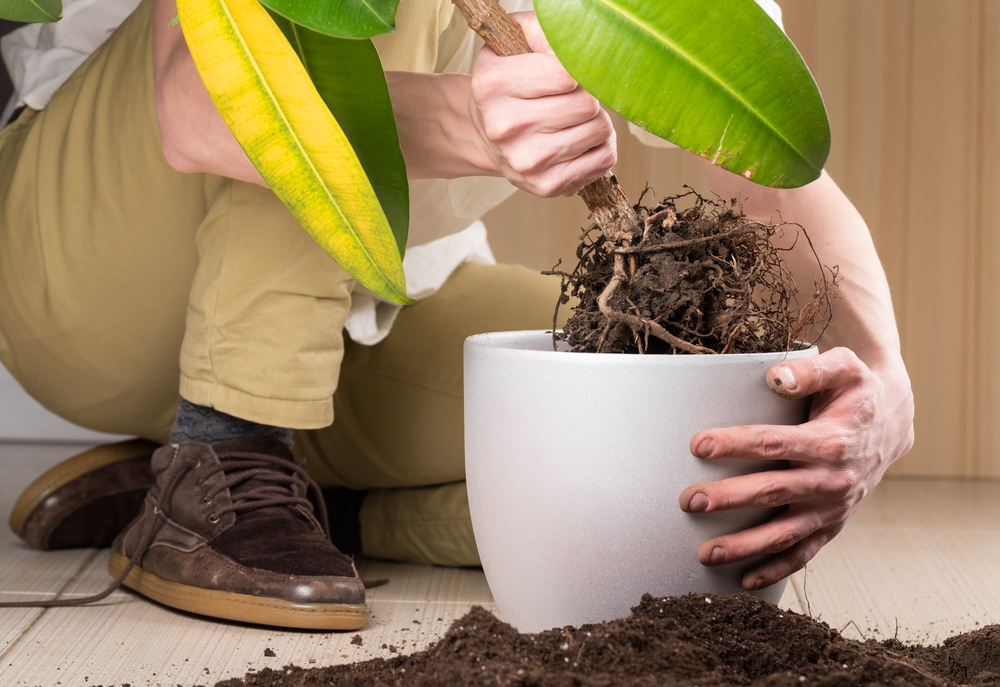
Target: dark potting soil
point(695, 640)
point(697, 279)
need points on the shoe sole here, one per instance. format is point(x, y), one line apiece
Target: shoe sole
point(65, 472)
point(240, 607)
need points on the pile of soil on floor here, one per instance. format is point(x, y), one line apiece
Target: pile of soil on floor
point(697, 276)
point(695, 640)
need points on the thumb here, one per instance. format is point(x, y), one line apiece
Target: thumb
point(801, 377)
point(783, 380)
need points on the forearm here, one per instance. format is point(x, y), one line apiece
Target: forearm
point(437, 132)
point(522, 117)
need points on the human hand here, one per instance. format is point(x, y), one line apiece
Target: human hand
point(540, 129)
point(860, 421)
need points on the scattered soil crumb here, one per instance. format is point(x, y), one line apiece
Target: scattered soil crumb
point(729, 641)
point(356, 639)
point(268, 652)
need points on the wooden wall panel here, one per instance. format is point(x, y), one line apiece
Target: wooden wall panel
point(986, 318)
point(913, 92)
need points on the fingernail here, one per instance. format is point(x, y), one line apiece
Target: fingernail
point(784, 378)
point(698, 503)
point(718, 556)
point(757, 584)
point(705, 448)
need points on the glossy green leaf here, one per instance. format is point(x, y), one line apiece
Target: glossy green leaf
point(31, 11)
point(268, 101)
point(718, 78)
point(340, 18)
point(348, 75)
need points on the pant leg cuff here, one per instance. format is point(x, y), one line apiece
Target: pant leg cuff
point(266, 411)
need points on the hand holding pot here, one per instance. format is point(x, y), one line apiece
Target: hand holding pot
point(859, 423)
point(861, 416)
point(540, 129)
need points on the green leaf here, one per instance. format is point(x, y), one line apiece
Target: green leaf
point(268, 101)
point(718, 78)
point(31, 11)
point(348, 75)
point(340, 18)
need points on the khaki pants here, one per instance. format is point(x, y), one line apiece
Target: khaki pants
point(126, 283)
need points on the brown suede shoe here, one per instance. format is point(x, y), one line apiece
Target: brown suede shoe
point(238, 530)
point(85, 500)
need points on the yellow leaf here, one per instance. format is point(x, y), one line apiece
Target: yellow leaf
point(269, 103)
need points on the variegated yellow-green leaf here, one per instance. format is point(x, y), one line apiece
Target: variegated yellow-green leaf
point(348, 76)
point(269, 103)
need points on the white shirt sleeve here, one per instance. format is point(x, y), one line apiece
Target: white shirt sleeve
point(41, 57)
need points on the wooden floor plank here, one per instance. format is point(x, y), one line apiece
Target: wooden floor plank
point(921, 552)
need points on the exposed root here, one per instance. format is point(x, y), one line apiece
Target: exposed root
point(702, 279)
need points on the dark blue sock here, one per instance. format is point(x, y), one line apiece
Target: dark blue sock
point(200, 423)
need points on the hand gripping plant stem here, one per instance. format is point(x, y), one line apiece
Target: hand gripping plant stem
point(605, 199)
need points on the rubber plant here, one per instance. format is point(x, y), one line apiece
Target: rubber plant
point(300, 85)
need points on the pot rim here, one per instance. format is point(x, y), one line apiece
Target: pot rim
point(535, 344)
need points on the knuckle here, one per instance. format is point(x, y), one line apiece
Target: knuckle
point(499, 129)
point(839, 512)
point(720, 500)
point(770, 445)
point(834, 449)
point(524, 161)
point(610, 159)
point(485, 84)
point(547, 188)
point(845, 362)
point(560, 80)
point(588, 109)
point(799, 558)
point(772, 495)
point(607, 126)
point(840, 486)
point(865, 410)
point(784, 541)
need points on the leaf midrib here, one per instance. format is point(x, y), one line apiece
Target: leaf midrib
point(291, 131)
point(705, 70)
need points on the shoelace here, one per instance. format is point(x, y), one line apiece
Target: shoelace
point(285, 489)
point(238, 467)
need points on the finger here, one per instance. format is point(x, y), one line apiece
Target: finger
point(513, 117)
point(768, 489)
point(778, 567)
point(594, 164)
point(568, 178)
point(783, 532)
point(539, 152)
point(809, 442)
point(838, 368)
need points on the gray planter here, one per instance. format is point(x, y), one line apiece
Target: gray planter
point(575, 463)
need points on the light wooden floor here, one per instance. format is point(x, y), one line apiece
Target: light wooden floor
point(924, 554)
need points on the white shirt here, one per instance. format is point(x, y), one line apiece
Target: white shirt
point(445, 230)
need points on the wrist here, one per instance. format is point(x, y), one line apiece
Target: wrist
point(437, 121)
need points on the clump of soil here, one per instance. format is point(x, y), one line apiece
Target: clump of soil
point(700, 640)
point(695, 279)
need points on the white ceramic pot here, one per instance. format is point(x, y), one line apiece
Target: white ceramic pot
point(575, 462)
